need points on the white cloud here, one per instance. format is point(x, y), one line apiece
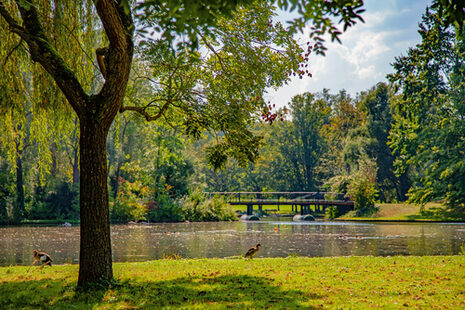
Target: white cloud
point(367, 72)
point(366, 52)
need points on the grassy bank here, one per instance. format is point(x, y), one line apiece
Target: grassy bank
point(408, 212)
point(342, 282)
point(384, 212)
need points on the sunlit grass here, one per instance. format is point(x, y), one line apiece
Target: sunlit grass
point(409, 212)
point(279, 283)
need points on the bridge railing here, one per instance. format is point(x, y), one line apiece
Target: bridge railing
point(279, 196)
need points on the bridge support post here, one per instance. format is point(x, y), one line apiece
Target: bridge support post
point(249, 209)
point(304, 209)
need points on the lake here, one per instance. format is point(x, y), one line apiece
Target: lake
point(282, 238)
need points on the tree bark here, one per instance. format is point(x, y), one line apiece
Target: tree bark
point(95, 264)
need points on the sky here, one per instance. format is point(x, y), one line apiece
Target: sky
point(364, 58)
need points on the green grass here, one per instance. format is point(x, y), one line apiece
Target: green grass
point(409, 212)
point(276, 283)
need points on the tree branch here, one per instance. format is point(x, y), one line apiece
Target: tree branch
point(142, 111)
point(101, 53)
point(117, 60)
point(14, 25)
point(12, 51)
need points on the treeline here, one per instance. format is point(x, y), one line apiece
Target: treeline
point(396, 141)
point(325, 142)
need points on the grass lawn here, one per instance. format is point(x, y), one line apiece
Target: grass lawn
point(428, 282)
point(409, 212)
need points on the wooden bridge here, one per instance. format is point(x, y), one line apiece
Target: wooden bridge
point(320, 200)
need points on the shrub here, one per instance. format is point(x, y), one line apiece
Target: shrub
point(364, 193)
point(197, 207)
point(131, 203)
point(362, 187)
point(165, 209)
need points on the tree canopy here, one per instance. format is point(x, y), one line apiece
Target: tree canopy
point(427, 134)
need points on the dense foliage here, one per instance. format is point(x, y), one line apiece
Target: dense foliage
point(428, 131)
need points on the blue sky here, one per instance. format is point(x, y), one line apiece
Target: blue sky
point(366, 53)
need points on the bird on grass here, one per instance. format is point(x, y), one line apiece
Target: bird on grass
point(43, 258)
point(252, 251)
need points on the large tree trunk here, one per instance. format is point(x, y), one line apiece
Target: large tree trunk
point(95, 252)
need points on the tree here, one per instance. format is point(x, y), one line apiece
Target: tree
point(96, 113)
point(97, 110)
point(376, 103)
point(300, 142)
point(346, 116)
point(428, 129)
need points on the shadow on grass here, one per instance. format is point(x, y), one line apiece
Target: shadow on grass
point(241, 291)
point(45, 294)
point(440, 214)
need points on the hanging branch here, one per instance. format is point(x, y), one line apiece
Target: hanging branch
point(43, 52)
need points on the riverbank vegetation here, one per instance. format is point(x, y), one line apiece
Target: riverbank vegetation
point(294, 282)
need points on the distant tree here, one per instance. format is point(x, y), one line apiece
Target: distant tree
point(376, 103)
point(301, 143)
point(345, 117)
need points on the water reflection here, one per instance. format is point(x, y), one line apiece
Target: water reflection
point(278, 239)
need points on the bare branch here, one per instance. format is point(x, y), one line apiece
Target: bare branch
point(142, 111)
point(211, 48)
point(11, 52)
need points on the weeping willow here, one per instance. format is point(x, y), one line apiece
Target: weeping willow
point(35, 117)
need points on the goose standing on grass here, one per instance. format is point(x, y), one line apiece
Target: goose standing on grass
point(252, 251)
point(42, 257)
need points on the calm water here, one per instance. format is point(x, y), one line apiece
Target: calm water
point(191, 240)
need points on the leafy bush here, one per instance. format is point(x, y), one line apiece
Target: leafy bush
point(364, 194)
point(362, 188)
point(197, 207)
point(131, 203)
point(165, 209)
point(339, 183)
point(59, 202)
